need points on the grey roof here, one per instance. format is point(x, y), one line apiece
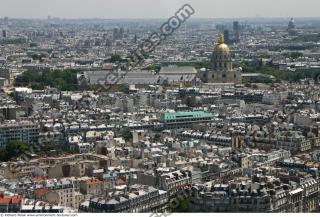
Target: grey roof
point(180, 70)
point(112, 201)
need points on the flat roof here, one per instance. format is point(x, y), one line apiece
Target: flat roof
point(178, 70)
point(187, 115)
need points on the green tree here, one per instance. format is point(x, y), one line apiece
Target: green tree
point(33, 44)
point(307, 38)
point(293, 55)
point(285, 75)
point(35, 56)
point(183, 204)
point(13, 41)
point(115, 58)
point(63, 80)
point(3, 155)
point(191, 101)
point(14, 149)
point(126, 134)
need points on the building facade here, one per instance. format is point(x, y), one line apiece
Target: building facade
point(26, 132)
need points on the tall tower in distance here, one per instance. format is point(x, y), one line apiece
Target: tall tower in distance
point(236, 30)
point(6, 21)
point(226, 36)
point(4, 33)
point(118, 33)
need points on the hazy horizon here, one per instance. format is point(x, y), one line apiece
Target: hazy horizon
point(149, 9)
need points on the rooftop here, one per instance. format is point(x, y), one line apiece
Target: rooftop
point(186, 115)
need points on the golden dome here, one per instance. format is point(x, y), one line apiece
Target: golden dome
point(221, 47)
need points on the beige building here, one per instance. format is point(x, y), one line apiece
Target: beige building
point(62, 193)
point(91, 186)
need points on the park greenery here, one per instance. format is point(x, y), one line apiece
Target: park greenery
point(126, 134)
point(33, 44)
point(280, 75)
point(12, 41)
point(115, 58)
point(307, 38)
point(183, 205)
point(293, 55)
point(38, 57)
point(13, 149)
point(63, 80)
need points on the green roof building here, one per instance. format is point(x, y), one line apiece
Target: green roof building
point(186, 117)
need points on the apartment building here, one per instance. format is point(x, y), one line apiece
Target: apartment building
point(172, 182)
point(261, 194)
point(91, 186)
point(23, 131)
point(136, 199)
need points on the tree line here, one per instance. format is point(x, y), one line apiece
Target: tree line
point(65, 80)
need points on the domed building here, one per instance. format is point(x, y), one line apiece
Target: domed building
point(221, 63)
point(291, 27)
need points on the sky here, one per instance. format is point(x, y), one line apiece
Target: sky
point(114, 9)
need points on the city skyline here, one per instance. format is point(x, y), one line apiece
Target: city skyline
point(144, 9)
